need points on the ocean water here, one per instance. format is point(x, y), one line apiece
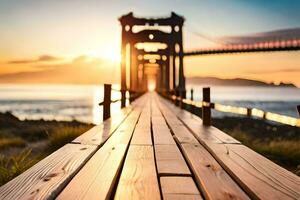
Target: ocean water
point(59, 102)
point(281, 100)
point(80, 102)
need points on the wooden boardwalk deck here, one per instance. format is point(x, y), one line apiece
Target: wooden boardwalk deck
point(154, 150)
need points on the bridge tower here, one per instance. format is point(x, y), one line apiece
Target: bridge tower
point(152, 43)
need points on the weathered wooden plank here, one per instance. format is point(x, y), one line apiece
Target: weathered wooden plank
point(170, 161)
point(206, 133)
point(48, 177)
point(162, 135)
point(210, 176)
point(208, 173)
point(260, 177)
point(174, 187)
point(161, 131)
point(142, 136)
point(138, 178)
point(181, 133)
point(99, 134)
point(142, 132)
point(98, 177)
point(182, 197)
point(188, 119)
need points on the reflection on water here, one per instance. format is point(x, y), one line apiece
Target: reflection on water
point(281, 100)
point(80, 102)
point(59, 102)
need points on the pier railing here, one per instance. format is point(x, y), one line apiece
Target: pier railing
point(206, 105)
point(107, 101)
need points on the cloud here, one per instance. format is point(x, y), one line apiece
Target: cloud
point(283, 34)
point(42, 58)
point(80, 70)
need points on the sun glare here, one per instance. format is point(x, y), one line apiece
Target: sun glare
point(151, 86)
point(112, 56)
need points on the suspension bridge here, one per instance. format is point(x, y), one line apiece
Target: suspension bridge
point(153, 149)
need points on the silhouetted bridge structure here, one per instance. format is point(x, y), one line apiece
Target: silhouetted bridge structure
point(164, 60)
point(153, 149)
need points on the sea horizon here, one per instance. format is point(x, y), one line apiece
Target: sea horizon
point(67, 102)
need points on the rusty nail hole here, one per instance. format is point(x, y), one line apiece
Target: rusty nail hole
point(208, 165)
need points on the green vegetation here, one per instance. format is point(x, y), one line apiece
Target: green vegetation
point(11, 142)
point(24, 143)
point(279, 143)
point(12, 166)
point(63, 135)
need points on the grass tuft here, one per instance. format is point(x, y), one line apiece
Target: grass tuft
point(64, 135)
point(12, 166)
point(283, 151)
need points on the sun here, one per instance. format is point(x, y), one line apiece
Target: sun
point(111, 56)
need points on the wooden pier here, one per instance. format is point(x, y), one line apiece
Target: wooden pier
point(154, 150)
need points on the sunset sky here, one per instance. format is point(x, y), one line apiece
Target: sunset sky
point(42, 41)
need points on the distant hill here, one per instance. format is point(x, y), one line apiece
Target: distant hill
point(233, 82)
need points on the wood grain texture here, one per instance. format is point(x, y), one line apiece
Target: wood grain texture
point(178, 185)
point(260, 177)
point(98, 177)
point(170, 161)
point(185, 118)
point(142, 132)
point(194, 123)
point(48, 177)
point(138, 178)
point(162, 136)
point(99, 134)
point(210, 176)
point(208, 173)
point(182, 197)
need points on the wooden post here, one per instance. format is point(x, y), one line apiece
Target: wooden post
point(192, 107)
point(192, 94)
point(206, 112)
point(123, 98)
point(177, 95)
point(249, 112)
point(131, 93)
point(298, 108)
point(181, 99)
point(106, 101)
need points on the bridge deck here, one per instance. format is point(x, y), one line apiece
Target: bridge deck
point(154, 150)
